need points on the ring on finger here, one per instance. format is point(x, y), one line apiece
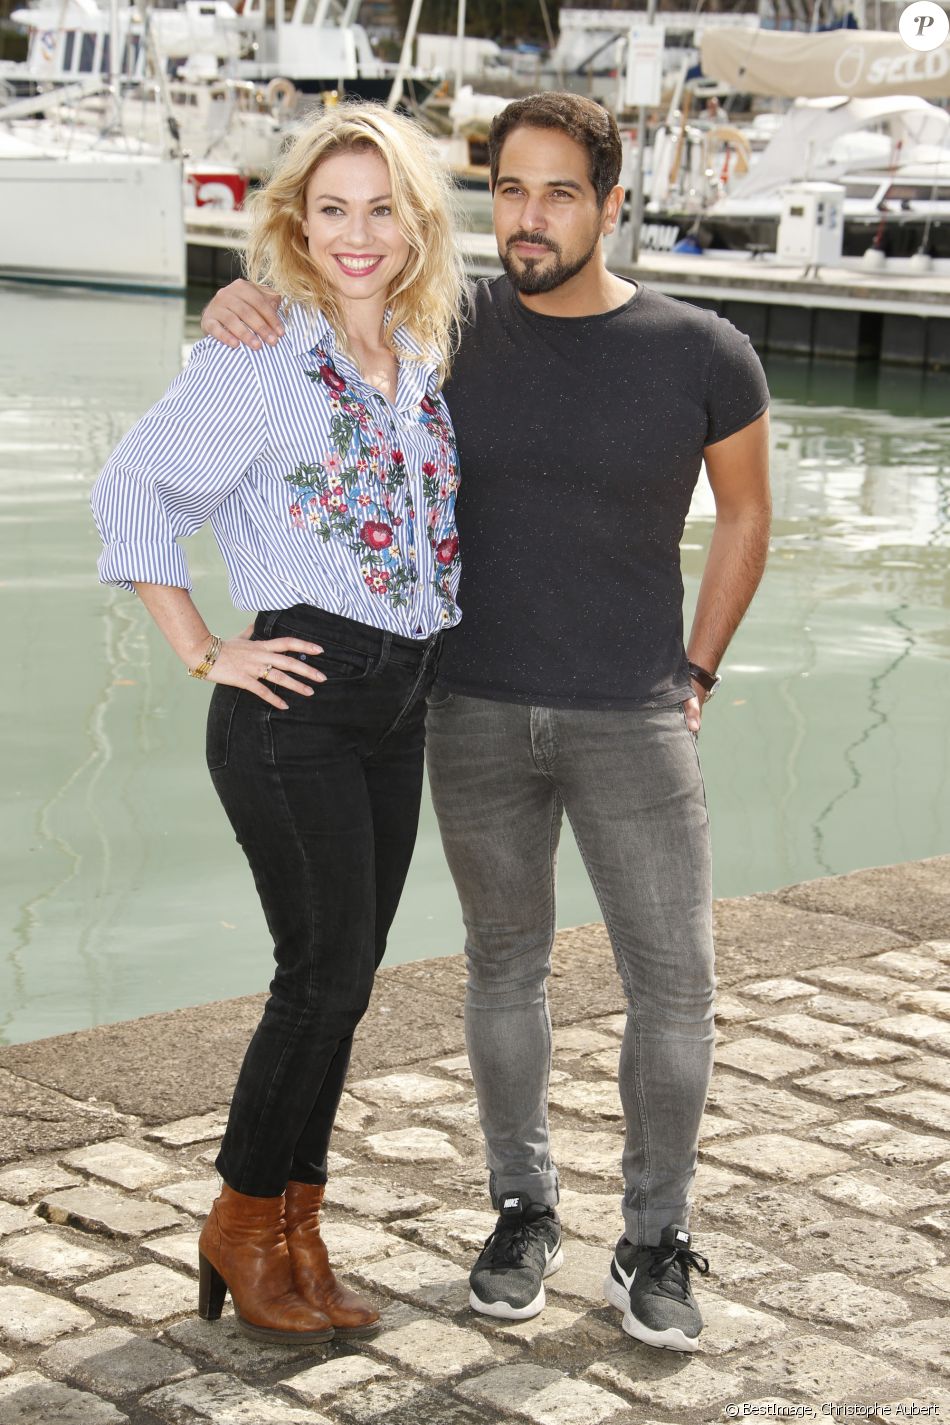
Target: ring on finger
point(266, 672)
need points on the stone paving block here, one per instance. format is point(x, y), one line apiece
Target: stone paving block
point(808, 1033)
point(94, 1209)
point(908, 965)
point(855, 1132)
point(115, 1363)
point(730, 1010)
point(714, 1126)
point(667, 1380)
point(935, 1283)
point(352, 1116)
point(24, 1181)
point(575, 1040)
point(192, 1195)
point(554, 1321)
point(380, 1201)
point(411, 1145)
point(834, 1299)
point(937, 1224)
point(712, 1182)
point(941, 1174)
point(399, 1090)
point(758, 1104)
point(840, 1084)
point(778, 990)
point(453, 1117)
point(179, 1249)
point(731, 1326)
point(843, 1009)
point(937, 949)
point(764, 1058)
point(419, 1277)
point(395, 1402)
point(777, 1156)
point(856, 981)
point(733, 1261)
point(223, 1343)
point(927, 1001)
point(867, 1249)
point(607, 1061)
point(349, 1243)
point(542, 1395)
point(583, 1272)
point(434, 1348)
point(121, 1164)
point(224, 1400)
point(6, 1364)
point(590, 1099)
point(926, 1343)
point(903, 1149)
point(321, 1384)
point(142, 1295)
point(201, 1128)
point(869, 1049)
point(922, 1029)
point(821, 1368)
point(595, 1155)
point(56, 1258)
point(594, 1216)
point(773, 1212)
point(924, 1106)
point(928, 1069)
point(16, 1219)
point(456, 1230)
point(28, 1398)
point(368, 1197)
point(458, 1066)
point(32, 1318)
point(882, 1194)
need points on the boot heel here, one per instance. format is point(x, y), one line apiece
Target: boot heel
point(212, 1289)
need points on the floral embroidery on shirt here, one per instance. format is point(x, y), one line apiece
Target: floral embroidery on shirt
point(356, 491)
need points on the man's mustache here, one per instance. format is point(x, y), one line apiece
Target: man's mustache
point(536, 239)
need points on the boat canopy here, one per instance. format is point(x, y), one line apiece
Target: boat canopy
point(804, 145)
point(853, 63)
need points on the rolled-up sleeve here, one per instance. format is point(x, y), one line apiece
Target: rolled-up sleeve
point(177, 465)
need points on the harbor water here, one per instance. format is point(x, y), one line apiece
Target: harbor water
point(124, 892)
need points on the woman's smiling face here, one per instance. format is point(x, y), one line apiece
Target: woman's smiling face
point(351, 233)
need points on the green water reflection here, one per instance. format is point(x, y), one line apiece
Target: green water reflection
point(124, 893)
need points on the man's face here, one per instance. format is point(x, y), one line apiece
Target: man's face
point(547, 218)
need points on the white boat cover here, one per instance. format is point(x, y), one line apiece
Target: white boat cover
point(807, 66)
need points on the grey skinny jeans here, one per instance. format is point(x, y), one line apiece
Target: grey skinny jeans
point(501, 775)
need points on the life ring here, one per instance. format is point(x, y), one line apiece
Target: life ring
point(727, 134)
point(282, 94)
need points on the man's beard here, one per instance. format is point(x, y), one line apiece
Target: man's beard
point(531, 278)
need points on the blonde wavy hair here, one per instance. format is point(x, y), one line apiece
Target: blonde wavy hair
point(426, 297)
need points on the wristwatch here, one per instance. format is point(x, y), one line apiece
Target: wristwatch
point(709, 681)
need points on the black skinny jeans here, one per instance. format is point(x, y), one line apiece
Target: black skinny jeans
point(324, 799)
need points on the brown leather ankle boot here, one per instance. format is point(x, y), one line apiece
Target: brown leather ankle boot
point(243, 1250)
point(349, 1313)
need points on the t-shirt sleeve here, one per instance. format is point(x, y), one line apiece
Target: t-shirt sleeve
point(736, 389)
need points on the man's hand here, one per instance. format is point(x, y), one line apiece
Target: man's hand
point(244, 313)
point(693, 708)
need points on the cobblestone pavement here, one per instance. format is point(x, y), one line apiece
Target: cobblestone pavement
point(822, 1202)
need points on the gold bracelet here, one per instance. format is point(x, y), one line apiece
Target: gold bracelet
point(209, 660)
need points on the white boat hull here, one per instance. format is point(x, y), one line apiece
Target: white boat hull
point(116, 221)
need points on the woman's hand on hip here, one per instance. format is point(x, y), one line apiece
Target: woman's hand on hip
point(253, 664)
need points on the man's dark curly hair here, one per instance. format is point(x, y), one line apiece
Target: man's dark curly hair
point(590, 125)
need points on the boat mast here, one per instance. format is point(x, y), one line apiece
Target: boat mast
point(405, 56)
point(460, 47)
point(636, 197)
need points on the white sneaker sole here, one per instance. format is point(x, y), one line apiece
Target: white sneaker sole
point(502, 1310)
point(672, 1339)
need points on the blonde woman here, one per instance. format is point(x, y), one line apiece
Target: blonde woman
point(326, 464)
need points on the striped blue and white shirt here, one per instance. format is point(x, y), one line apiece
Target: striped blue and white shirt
point(318, 489)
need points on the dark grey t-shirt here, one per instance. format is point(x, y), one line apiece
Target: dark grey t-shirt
point(580, 442)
